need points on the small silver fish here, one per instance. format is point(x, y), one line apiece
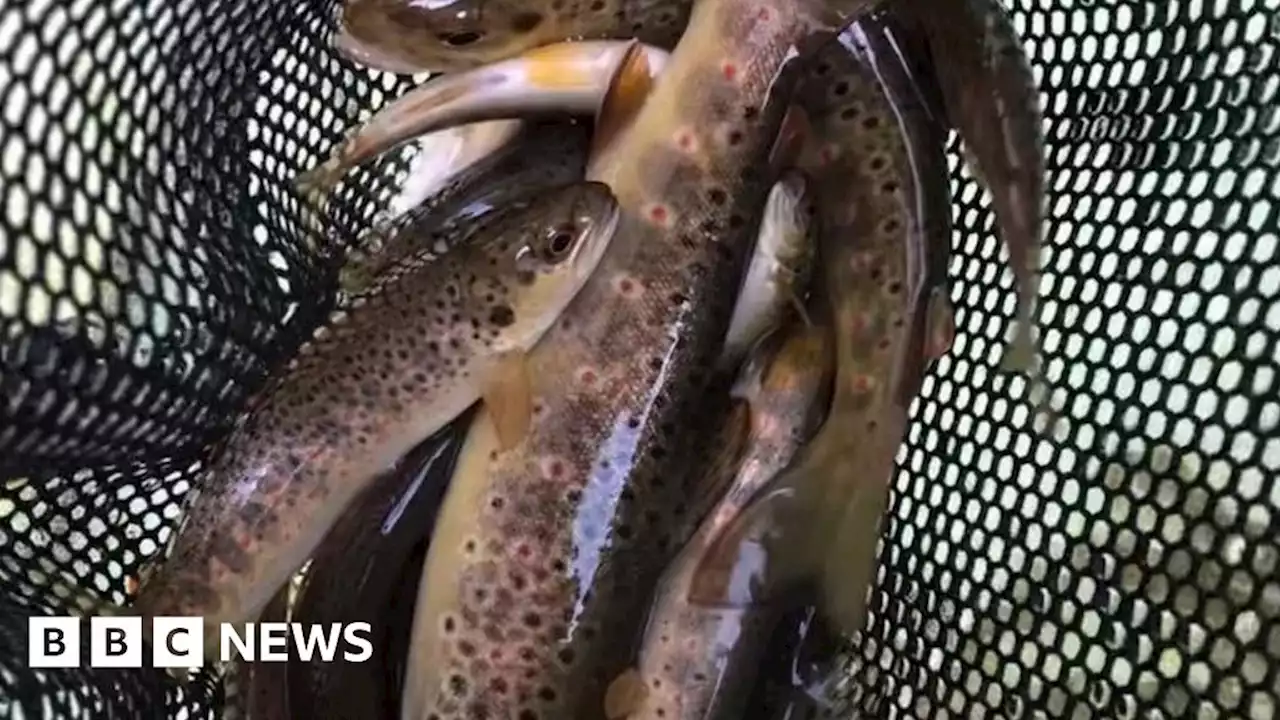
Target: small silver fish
point(779, 267)
point(698, 661)
point(407, 357)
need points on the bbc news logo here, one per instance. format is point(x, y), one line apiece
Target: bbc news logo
point(178, 642)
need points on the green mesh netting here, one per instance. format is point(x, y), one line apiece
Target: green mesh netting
point(155, 263)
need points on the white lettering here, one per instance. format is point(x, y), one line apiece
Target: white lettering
point(229, 636)
point(357, 634)
point(275, 642)
point(307, 638)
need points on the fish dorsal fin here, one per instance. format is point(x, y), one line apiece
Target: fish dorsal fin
point(629, 87)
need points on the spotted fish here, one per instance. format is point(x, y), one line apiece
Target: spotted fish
point(543, 155)
point(990, 95)
point(552, 80)
point(698, 662)
point(539, 566)
point(452, 35)
point(879, 175)
point(779, 267)
point(354, 576)
point(406, 358)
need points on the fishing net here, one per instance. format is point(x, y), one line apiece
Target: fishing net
point(1117, 562)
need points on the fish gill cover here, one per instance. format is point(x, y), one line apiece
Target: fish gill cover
point(156, 262)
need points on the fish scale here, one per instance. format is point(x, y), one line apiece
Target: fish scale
point(536, 582)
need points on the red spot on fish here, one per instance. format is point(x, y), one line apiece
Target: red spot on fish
point(628, 287)
point(523, 550)
point(730, 70)
point(827, 155)
point(859, 262)
point(495, 654)
point(765, 15)
point(553, 468)
point(862, 384)
point(859, 323)
point(588, 377)
point(659, 215)
point(686, 141)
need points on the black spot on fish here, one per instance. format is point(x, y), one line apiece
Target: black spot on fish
point(717, 196)
point(735, 138)
point(597, 5)
point(736, 222)
point(526, 277)
point(502, 316)
point(871, 122)
point(841, 89)
point(526, 21)
point(566, 656)
point(750, 113)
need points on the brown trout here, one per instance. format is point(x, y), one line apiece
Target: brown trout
point(452, 35)
point(536, 577)
point(697, 662)
point(553, 80)
point(406, 358)
point(544, 155)
point(991, 98)
point(879, 175)
point(257, 690)
point(353, 577)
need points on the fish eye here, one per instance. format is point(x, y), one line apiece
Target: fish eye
point(560, 243)
point(459, 39)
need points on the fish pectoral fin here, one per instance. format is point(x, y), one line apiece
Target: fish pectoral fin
point(508, 397)
point(625, 695)
point(628, 88)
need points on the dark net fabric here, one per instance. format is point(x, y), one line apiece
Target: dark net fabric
point(1118, 562)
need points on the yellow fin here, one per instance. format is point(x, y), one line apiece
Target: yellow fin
point(508, 397)
point(626, 93)
point(625, 695)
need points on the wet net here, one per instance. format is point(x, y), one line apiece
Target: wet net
point(155, 263)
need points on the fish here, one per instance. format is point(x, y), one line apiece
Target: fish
point(542, 156)
point(697, 661)
point(407, 357)
point(444, 155)
point(877, 165)
point(550, 81)
point(454, 35)
point(538, 567)
point(258, 690)
point(780, 266)
point(354, 576)
point(991, 97)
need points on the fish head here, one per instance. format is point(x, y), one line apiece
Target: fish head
point(548, 249)
point(791, 210)
point(444, 35)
